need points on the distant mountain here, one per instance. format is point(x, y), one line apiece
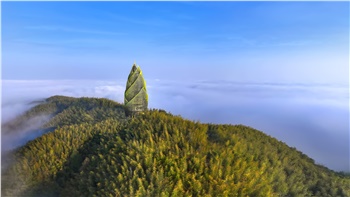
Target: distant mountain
point(90, 148)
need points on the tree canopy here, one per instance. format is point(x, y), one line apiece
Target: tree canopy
point(94, 150)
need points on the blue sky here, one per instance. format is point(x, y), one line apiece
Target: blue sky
point(240, 41)
point(280, 67)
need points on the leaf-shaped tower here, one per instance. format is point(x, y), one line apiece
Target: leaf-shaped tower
point(135, 96)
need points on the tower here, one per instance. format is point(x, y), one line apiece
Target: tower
point(135, 96)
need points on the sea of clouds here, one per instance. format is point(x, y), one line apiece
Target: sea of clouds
point(314, 118)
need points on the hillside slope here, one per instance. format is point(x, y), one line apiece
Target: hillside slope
point(92, 149)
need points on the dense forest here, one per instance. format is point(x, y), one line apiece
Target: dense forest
point(91, 148)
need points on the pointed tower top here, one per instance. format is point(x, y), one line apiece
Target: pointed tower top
point(134, 66)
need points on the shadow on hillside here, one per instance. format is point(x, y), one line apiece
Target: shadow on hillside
point(77, 161)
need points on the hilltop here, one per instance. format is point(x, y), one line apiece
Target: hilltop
point(90, 148)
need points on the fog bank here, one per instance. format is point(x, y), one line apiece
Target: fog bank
point(314, 118)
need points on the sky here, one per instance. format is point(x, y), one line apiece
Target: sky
point(280, 67)
point(243, 41)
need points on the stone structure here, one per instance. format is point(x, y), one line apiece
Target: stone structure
point(135, 96)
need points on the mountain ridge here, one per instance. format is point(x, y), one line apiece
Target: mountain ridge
point(94, 149)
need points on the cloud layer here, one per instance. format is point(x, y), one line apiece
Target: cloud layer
point(314, 118)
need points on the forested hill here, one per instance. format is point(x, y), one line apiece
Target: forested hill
point(92, 149)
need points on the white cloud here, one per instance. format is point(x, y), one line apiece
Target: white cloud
point(314, 118)
point(17, 94)
point(72, 29)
